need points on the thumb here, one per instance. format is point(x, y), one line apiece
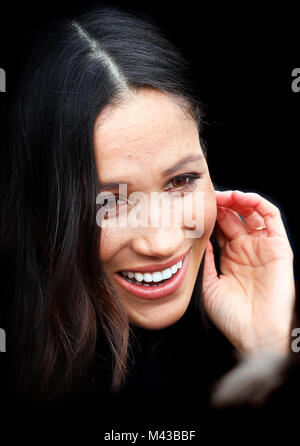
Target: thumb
point(210, 276)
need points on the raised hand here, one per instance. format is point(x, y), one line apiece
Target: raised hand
point(252, 302)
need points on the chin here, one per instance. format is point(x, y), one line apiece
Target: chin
point(158, 318)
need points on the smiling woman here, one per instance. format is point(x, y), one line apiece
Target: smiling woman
point(152, 135)
point(136, 321)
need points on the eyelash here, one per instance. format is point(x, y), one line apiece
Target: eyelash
point(192, 176)
point(190, 185)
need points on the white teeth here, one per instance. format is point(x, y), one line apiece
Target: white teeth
point(148, 277)
point(139, 277)
point(174, 269)
point(157, 276)
point(166, 273)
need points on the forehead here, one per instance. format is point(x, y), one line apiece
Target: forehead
point(149, 126)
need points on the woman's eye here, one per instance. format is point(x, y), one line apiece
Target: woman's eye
point(183, 181)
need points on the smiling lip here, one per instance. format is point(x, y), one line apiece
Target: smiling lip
point(157, 267)
point(156, 292)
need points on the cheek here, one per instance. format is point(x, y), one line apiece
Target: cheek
point(210, 211)
point(110, 244)
point(203, 210)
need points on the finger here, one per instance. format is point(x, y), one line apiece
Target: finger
point(224, 198)
point(251, 218)
point(267, 210)
point(210, 275)
point(230, 223)
point(243, 202)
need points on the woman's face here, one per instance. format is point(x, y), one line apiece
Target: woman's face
point(149, 143)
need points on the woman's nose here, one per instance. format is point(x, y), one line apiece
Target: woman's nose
point(158, 242)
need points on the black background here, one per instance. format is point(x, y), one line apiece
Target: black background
point(243, 54)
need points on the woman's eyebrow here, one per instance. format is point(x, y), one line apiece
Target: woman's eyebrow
point(185, 160)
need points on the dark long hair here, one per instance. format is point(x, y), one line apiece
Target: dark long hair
point(56, 287)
